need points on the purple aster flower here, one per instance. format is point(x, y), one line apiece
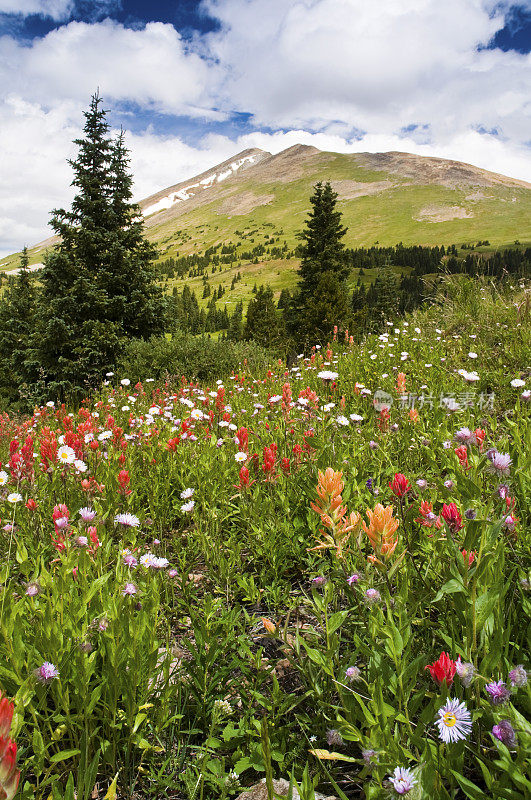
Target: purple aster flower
point(466, 671)
point(353, 579)
point(127, 520)
point(172, 573)
point(518, 676)
point(129, 590)
point(500, 463)
point(320, 580)
point(130, 560)
point(369, 756)
point(334, 738)
point(33, 589)
point(373, 445)
point(505, 733)
point(46, 672)
point(403, 780)
point(465, 436)
point(422, 483)
point(87, 514)
point(372, 596)
point(61, 523)
point(81, 541)
point(498, 692)
point(353, 674)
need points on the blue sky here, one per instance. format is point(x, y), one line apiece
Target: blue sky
point(196, 82)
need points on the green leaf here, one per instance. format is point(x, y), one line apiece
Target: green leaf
point(64, 755)
point(470, 789)
point(336, 620)
point(449, 587)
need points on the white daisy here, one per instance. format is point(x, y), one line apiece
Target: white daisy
point(454, 721)
point(14, 497)
point(240, 457)
point(65, 455)
point(4, 477)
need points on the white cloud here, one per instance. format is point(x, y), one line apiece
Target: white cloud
point(373, 66)
point(315, 70)
point(151, 67)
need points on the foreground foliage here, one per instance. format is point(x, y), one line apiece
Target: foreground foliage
point(320, 571)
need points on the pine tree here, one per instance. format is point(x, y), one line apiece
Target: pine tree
point(321, 301)
point(263, 323)
point(97, 284)
point(17, 320)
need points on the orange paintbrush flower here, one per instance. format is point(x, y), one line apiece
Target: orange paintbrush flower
point(381, 530)
point(333, 513)
point(401, 383)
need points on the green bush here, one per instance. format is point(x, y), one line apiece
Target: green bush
point(195, 357)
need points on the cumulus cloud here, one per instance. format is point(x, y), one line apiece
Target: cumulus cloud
point(372, 66)
point(343, 75)
point(152, 66)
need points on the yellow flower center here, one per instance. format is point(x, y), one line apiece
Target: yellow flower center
point(449, 719)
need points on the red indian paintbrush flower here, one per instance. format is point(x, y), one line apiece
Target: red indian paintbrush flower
point(442, 670)
point(452, 517)
point(400, 485)
point(9, 775)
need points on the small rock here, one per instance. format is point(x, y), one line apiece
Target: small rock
point(281, 787)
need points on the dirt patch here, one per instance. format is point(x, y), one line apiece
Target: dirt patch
point(243, 203)
point(442, 213)
point(349, 190)
point(431, 170)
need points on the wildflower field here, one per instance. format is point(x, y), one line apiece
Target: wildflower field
point(319, 572)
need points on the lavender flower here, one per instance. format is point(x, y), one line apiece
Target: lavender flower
point(466, 671)
point(46, 672)
point(498, 692)
point(87, 514)
point(500, 463)
point(505, 733)
point(129, 590)
point(368, 755)
point(503, 491)
point(470, 514)
point(320, 580)
point(353, 674)
point(372, 596)
point(33, 589)
point(127, 520)
point(334, 738)
point(402, 780)
point(353, 579)
point(465, 436)
point(518, 676)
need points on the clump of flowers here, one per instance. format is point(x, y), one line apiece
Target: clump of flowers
point(381, 531)
point(9, 775)
point(333, 513)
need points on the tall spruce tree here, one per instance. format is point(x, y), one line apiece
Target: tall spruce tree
point(17, 316)
point(263, 323)
point(97, 284)
point(321, 300)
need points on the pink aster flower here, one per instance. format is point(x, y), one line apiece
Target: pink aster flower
point(46, 672)
point(498, 692)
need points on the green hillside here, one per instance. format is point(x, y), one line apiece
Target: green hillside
point(258, 209)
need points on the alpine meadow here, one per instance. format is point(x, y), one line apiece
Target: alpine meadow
point(265, 400)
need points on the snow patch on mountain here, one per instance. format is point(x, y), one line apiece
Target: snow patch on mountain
point(187, 192)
